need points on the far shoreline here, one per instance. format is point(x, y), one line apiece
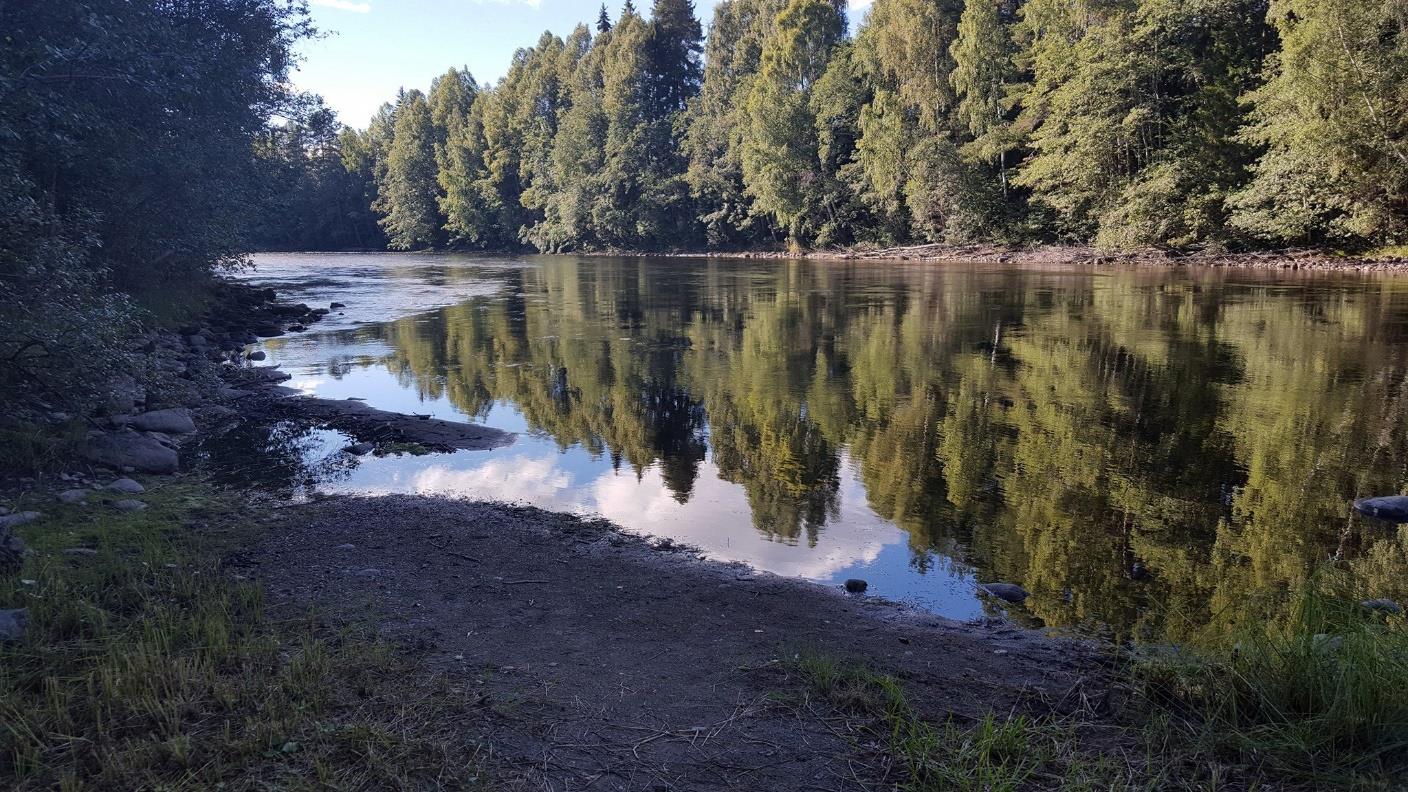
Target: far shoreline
point(943, 253)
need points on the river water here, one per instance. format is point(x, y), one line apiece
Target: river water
point(1149, 452)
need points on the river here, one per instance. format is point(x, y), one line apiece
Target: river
point(1151, 452)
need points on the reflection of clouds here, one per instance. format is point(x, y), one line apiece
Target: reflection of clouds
point(307, 385)
point(537, 481)
point(716, 519)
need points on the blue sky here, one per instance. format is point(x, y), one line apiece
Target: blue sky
point(373, 47)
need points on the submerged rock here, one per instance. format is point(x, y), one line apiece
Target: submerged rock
point(176, 420)
point(130, 450)
point(126, 486)
point(13, 623)
point(1393, 508)
point(1382, 605)
point(1010, 592)
point(257, 354)
point(360, 448)
point(336, 305)
point(856, 586)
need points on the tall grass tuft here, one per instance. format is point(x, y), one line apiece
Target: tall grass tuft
point(1318, 695)
point(148, 667)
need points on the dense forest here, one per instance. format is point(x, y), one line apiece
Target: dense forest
point(1225, 124)
point(126, 180)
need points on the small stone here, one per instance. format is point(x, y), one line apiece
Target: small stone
point(126, 486)
point(1393, 508)
point(347, 546)
point(18, 518)
point(360, 448)
point(13, 623)
point(257, 354)
point(856, 586)
point(80, 551)
point(129, 505)
point(73, 496)
point(1383, 606)
point(1009, 592)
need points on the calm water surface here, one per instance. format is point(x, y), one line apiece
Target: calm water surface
point(1149, 452)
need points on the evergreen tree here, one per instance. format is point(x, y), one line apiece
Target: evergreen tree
point(407, 199)
point(603, 22)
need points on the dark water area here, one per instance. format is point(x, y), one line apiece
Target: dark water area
point(1149, 452)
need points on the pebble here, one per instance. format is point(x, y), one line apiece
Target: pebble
point(347, 546)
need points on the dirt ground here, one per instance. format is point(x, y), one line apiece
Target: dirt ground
point(609, 661)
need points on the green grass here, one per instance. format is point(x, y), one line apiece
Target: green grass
point(1315, 697)
point(147, 666)
point(31, 448)
point(1318, 696)
point(997, 754)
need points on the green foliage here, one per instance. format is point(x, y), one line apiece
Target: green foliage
point(1315, 694)
point(1123, 124)
point(781, 164)
point(122, 171)
point(407, 196)
point(316, 187)
point(1333, 119)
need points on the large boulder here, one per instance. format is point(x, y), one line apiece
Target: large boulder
point(176, 420)
point(128, 449)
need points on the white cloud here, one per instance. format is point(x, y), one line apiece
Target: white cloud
point(858, 6)
point(344, 5)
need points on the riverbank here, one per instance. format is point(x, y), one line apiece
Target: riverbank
point(1068, 256)
point(463, 644)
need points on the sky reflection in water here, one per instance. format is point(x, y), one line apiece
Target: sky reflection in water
point(1143, 450)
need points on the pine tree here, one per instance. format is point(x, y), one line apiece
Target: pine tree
point(603, 22)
